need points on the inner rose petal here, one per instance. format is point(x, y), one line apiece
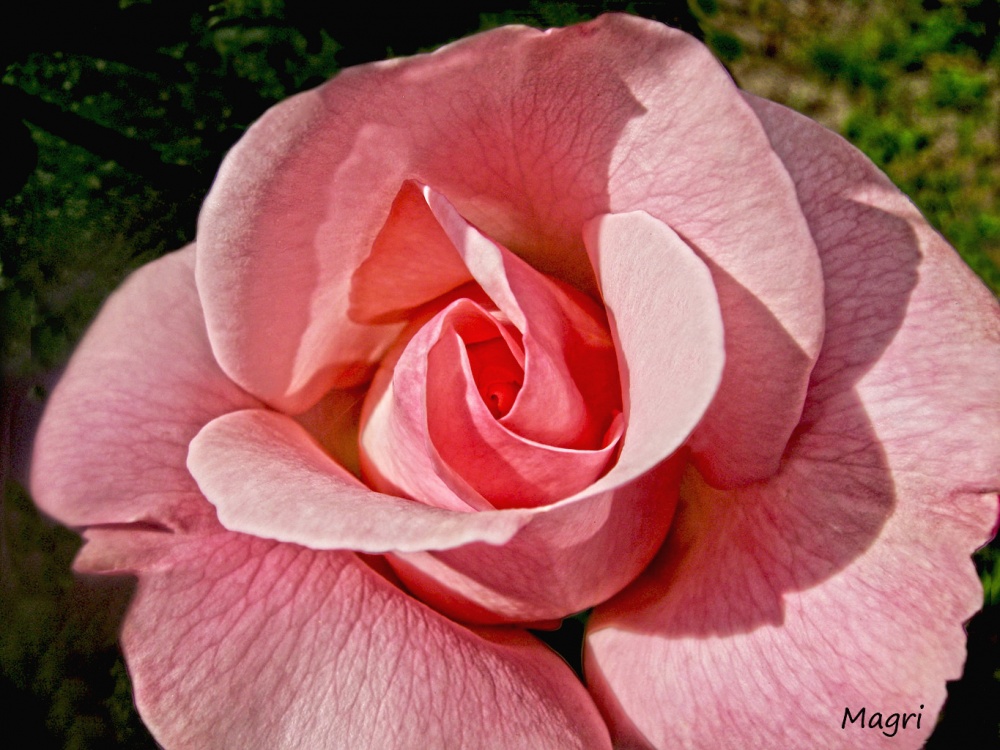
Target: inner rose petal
point(503, 391)
point(571, 387)
point(432, 429)
point(497, 374)
point(411, 262)
point(398, 456)
point(507, 469)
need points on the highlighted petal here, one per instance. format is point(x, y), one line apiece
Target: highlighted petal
point(888, 485)
point(665, 320)
point(699, 161)
point(266, 476)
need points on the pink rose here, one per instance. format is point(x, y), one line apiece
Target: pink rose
point(472, 341)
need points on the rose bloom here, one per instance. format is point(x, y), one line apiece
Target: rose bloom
point(541, 322)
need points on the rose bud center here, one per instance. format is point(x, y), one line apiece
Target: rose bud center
point(497, 374)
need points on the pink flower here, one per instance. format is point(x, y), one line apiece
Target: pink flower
point(540, 322)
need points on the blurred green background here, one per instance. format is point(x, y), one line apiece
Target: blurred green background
point(114, 118)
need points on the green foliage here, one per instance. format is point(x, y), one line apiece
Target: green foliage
point(58, 660)
point(726, 46)
point(858, 66)
point(82, 220)
point(71, 234)
point(253, 44)
point(885, 138)
point(988, 563)
point(539, 13)
point(959, 89)
point(706, 8)
point(924, 107)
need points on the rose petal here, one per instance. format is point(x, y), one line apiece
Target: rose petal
point(429, 436)
point(398, 455)
point(570, 390)
point(563, 356)
point(508, 470)
point(699, 161)
point(567, 558)
point(268, 478)
point(412, 262)
point(529, 136)
point(240, 642)
point(667, 329)
point(868, 526)
point(114, 437)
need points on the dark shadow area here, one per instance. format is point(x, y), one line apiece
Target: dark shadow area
point(970, 714)
point(63, 680)
point(829, 502)
point(567, 641)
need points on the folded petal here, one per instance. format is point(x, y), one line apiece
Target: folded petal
point(398, 455)
point(699, 161)
point(267, 477)
point(529, 135)
point(238, 642)
point(429, 435)
point(665, 320)
point(114, 437)
point(841, 583)
point(566, 558)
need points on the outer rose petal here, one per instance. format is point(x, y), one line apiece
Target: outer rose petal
point(699, 161)
point(529, 135)
point(842, 582)
point(236, 642)
point(268, 478)
point(112, 444)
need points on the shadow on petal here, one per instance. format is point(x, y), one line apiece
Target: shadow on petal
point(732, 555)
